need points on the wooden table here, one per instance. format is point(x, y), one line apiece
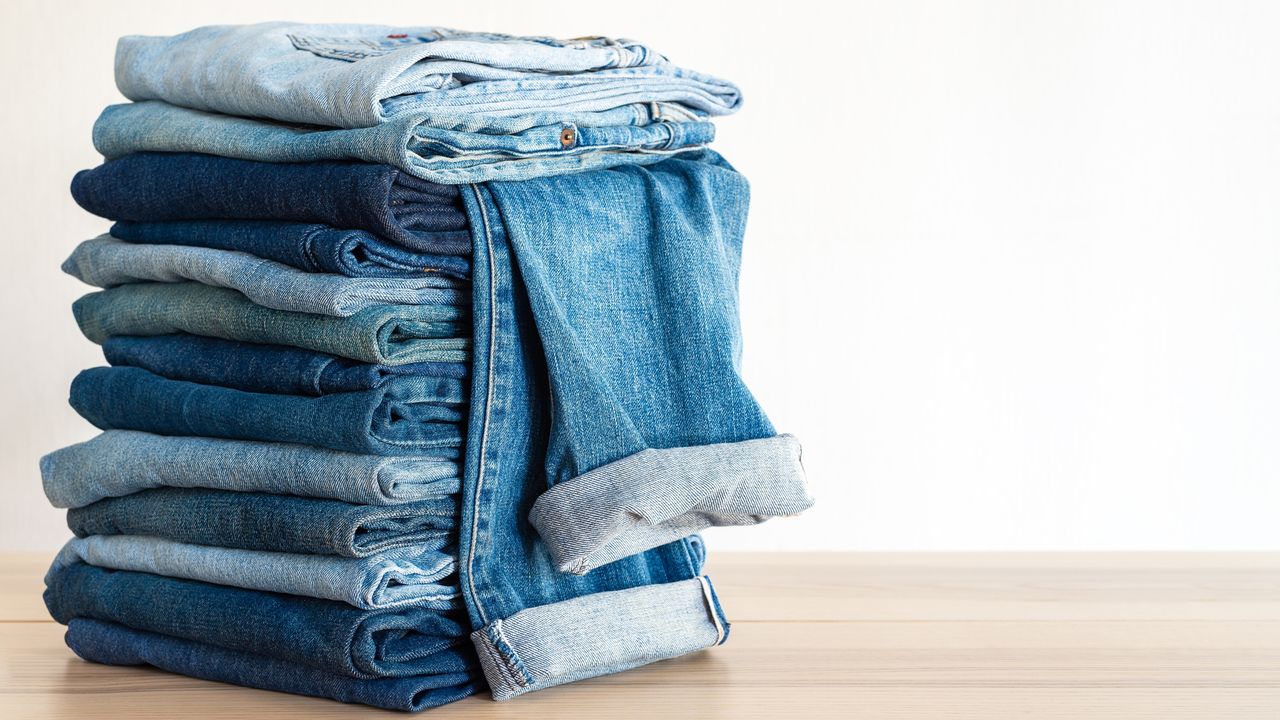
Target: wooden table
point(857, 636)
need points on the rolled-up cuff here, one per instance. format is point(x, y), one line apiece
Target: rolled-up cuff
point(598, 634)
point(654, 497)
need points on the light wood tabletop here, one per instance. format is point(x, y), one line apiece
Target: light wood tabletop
point(860, 636)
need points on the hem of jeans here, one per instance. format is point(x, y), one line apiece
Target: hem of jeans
point(589, 520)
point(535, 656)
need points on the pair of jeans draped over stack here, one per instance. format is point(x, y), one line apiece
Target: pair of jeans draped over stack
point(285, 310)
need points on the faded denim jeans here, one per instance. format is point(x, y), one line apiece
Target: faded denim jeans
point(361, 75)
point(394, 578)
point(107, 262)
point(450, 148)
point(121, 462)
point(383, 334)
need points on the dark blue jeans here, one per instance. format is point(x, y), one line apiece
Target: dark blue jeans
point(322, 634)
point(278, 523)
point(418, 419)
point(160, 187)
point(261, 368)
point(310, 247)
point(112, 644)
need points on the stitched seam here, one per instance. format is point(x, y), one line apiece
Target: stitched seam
point(485, 646)
point(488, 408)
point(711, 607)
point(509, 656)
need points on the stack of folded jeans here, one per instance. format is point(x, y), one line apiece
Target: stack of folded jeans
point(422, 359)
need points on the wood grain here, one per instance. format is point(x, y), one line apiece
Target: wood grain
point(960, 636)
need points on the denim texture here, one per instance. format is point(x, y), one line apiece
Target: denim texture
point(306, 246)
point(448, 149)
point(113, 644)
point(160, 187)
point(107, 262)
point(275, 523)
point(407, 418)
point(262, 368)
point(322, 634)
point(527, 651)
point(592, 348)
point(655, 497)
point(121, 462)
point(359, 75)
point(384, 335)
point(395, 578)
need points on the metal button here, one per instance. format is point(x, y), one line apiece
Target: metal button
point(567, 137)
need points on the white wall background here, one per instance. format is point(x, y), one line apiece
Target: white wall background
point(1012, 274)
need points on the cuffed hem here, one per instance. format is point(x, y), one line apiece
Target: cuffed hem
point(654, 497)
point(598, 634)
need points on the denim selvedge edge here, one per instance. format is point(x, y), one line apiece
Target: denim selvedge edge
point(656, 496)
point(580, 638)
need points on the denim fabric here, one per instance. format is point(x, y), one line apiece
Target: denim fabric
point(113, 644)
point(106, 262)
point(153, 187)
point(262, 368)
point(592, 348)
point(359, 75)
point(655, 497)
point(407, 418)
point(309, 247)
point(384, 335)
point(120, 462)
point(449, 149)
point(526, 651)
point(275, 523)
point(395, 578)
point(322, 634)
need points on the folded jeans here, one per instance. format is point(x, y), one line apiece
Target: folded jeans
point(416, 416)
point(121, 462)
point(383, 335)
point(275, 523)
point(322, 634)
point(107, 262)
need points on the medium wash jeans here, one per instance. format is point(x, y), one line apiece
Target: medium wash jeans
point(394, 578)
point(275, 523)
point(107, 262)
point(121, 462)
point(263, 368)
point(449, 148)
point(306, 246)
point(383, 335)
point(155, 187)
point(610, 422)
point(321, 634)
point(113, 644)
point(413, 417)
point(360, 75)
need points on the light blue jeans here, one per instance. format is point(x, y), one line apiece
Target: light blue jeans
point(106, 262)
point(439, 147)
point(394, 578)
point(362, 75)
point(120, 462)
